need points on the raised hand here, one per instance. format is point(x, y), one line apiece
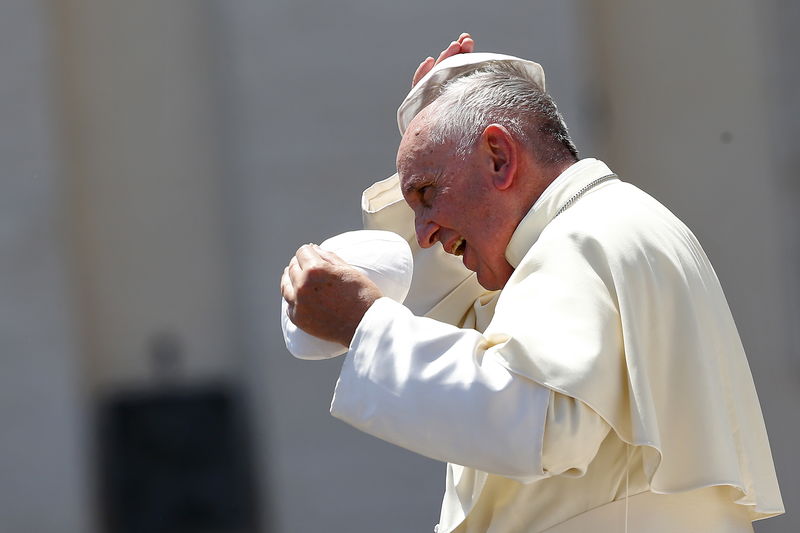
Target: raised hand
point(463, 45)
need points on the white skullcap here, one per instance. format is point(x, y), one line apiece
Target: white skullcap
point(429, 87)
point(383, 256)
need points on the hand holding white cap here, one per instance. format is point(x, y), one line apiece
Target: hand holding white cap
point(384, 257)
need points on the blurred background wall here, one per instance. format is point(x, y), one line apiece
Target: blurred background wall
point(161, 161)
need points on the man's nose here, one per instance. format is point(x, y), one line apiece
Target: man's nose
point(427, 233)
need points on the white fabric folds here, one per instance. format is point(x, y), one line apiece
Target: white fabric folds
point(629, 317)
point(383, 256)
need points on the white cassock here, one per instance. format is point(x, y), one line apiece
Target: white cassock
point(604, 388)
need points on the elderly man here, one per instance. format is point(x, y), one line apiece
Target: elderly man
point(597, 383)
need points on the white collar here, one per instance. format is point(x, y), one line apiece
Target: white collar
point(560, 190)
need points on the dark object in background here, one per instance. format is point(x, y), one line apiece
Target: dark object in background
point(176, 460)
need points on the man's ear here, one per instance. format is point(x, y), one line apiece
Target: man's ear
point(501, 152)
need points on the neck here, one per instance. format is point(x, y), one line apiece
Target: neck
point(540, 177)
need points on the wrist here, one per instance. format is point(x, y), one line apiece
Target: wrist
point(367, 296)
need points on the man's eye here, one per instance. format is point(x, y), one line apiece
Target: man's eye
point(425, 193)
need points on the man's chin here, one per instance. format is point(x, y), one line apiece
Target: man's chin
point(490, 283)
point(492, 280)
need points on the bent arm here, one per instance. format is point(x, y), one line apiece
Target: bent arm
point(443, 392)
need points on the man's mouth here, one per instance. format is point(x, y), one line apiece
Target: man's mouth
point(458, 247)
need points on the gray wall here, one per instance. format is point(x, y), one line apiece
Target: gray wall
point(163, 160)
point(43, 410)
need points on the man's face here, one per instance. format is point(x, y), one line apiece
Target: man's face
point(455, 204)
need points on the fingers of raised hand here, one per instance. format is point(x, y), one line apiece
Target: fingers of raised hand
point(422, 69)
point(463, 45)
point(452, 49)
point(467, 43)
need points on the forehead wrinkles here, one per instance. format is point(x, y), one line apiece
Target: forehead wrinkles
point(418, 161)
point(422, 161)
point(420, 177)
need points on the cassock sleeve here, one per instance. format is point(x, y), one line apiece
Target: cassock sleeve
point(443, 392)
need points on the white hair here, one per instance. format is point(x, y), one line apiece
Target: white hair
point(504, 94)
